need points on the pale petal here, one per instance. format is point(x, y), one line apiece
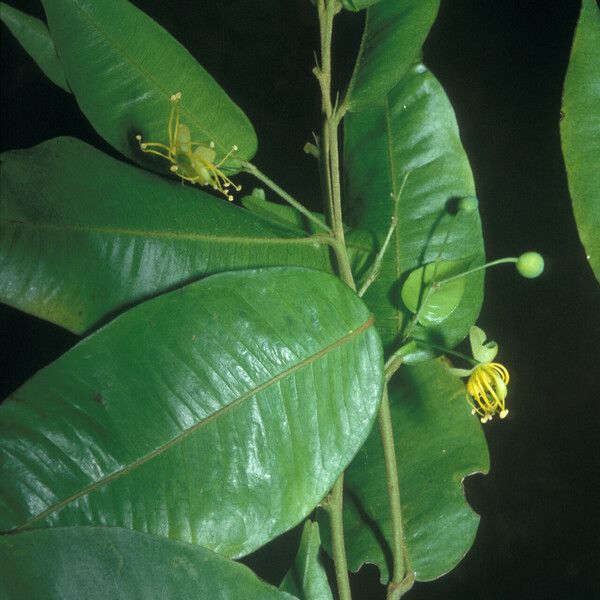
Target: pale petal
point(460, 372)
point(482, 352)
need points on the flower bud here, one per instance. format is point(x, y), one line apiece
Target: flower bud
point(530, 265)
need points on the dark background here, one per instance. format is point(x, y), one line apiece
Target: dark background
point(502, 64)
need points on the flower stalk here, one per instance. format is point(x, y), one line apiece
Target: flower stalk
point(529, 265)
point(254, 170)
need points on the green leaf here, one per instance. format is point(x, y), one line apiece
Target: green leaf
point(123, 68)
point(97, 563)
point(442, 301)
point(307, 579)
point(414, 132)
point(356, 5)
point(219, 414)
point(35, 38)
point(438, 443)
point(361, 245)
point(83, 236)
point(394, 32)
point(280, 215)
point(580, 130)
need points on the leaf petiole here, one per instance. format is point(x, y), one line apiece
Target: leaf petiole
point(253, 170)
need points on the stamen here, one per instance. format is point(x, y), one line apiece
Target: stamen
point(486, 390)
point(202, 170)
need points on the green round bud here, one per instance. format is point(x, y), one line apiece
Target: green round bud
point(468, 204)
point(530, 265)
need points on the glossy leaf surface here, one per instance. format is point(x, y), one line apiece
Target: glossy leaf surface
point(414, 132)
point(438, 443)
point(394, 32)
point(83, 236)
point(96, 563)
point(580, 130)
point(307, 579)
point(436, 305)
point(35, 38)
point(219, 414)
point(123, 67)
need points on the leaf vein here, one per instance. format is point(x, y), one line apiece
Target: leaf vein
point(186, 433)
point(190, 236)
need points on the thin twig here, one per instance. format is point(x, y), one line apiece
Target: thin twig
point(376, 265)
point(330, 183)
point(391, 471)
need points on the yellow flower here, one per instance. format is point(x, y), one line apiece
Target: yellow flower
point(192, 161)
point(486, 389)
point(486, 386)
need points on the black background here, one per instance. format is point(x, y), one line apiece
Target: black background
point(502, 64)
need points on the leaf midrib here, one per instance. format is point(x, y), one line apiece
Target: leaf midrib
point(191, 430)
point(188, 236)
point(120, 50)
